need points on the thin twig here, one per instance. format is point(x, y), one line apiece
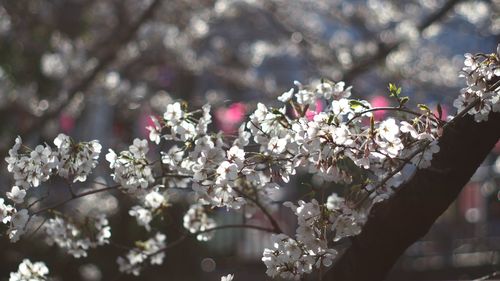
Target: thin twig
point(116, 42)
point(270, 218)
point(227, 226)
point(384, 49)
point(359, 114)
point(76, 196)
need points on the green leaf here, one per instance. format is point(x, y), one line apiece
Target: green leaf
point(394, 91)
point(355, 104)
point(423, 107)
point(403, 101)
point(276, 111)
point(330, 119)
point(392, 87)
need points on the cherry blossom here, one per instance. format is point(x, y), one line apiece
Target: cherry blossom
point(196, 219)
point(342, 143)
point(131, 168)
point(148, 250)
point(16, 194)
point(76, 240)
point(76, 160)
point(228, 277)
point(29, 271)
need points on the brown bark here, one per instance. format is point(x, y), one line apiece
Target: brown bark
point(396, 223)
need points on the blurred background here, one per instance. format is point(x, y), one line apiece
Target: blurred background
point(99, 69)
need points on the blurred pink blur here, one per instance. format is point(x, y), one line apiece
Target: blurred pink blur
point(228, 119)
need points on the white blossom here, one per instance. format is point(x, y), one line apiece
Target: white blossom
point(5, 211)
point(18, 224)
point(149, 250)
point(277, 145)
point(338, 144)
point(33, 168)
point(286, 96)
point(16, 194)
point(228, 277)
point(76, 160)
point(479, 72)
point(142, 215)
point(131, 168)
point(196, 219)
point(28, 271)
point(77, 240)
point(388, 130)
point(154, 200)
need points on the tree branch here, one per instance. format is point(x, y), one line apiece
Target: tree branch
point(384, 49)
point(114, 44)
point(395, 224)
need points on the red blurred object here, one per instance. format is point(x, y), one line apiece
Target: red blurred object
point(310, 114)
point(146, 121)
point(379, 101)
point(444, 110)
point(496, 149)
point(229, 118)
point(470, 198)
point(66, 122)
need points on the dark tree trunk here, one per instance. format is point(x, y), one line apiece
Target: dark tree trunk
point(398, 222)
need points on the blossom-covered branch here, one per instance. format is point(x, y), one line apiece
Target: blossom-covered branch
point(341, 143)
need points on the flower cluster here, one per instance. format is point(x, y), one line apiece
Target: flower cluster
point(203, 157)
point(77, 240)
point(16, 194)
point(217, 173)
point(290, 258)
point(29, 271)
point(17, 220)
point(228, 277)
point(333, 144)
point(18, 223)
point(179, 125)
point(482, 74)
point(131, 168)
point(71, 160)
point(76, 160)
point(345, 221)
point(339, 142)
point(325, 89)
point(317, 226)
point(31, 169)
point(152, 203)
point(196, 220)
point(151, 249)
point(344, 133)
